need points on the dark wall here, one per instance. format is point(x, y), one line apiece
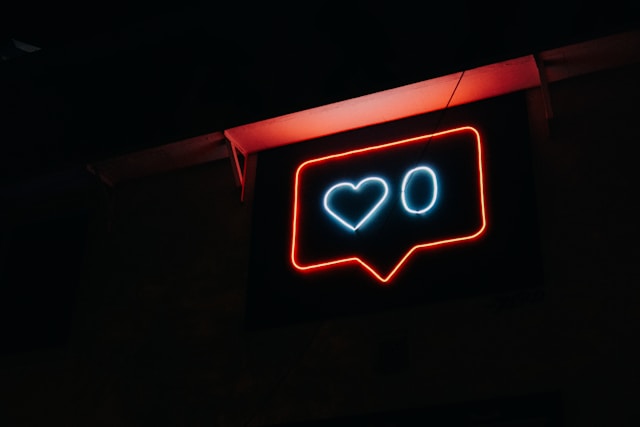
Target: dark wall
point(156, 335)
point(123, 78)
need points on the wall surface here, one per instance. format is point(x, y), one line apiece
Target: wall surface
point(157, 334)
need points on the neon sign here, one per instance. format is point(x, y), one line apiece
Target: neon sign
point(352, 190)
point(458, 216)
point(400, 191)
point(434, 193)
point(349, 186)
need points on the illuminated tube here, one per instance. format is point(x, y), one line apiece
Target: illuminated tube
point(371, 211)
point(355, 259)
point(405, 181)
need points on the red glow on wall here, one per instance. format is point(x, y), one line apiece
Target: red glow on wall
point(387, 277)
point(386, 106)
point(427, 96)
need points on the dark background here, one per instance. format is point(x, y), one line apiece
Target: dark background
point(125, 304)
point(112, 78)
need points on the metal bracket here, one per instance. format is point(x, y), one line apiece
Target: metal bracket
point(544, 87)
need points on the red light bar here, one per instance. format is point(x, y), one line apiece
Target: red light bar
point(389, 105)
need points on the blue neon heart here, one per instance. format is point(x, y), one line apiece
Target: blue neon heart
point(342, 186)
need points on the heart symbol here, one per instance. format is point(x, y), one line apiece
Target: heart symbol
point(342, 186)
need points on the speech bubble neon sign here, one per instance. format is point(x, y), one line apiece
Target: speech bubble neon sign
point(327, 261)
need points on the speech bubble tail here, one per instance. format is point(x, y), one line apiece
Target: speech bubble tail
point(384, 275)
point(392, 273)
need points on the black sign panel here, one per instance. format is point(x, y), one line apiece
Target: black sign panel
point(430, 207)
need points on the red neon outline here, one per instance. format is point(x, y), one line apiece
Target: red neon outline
point(403, 259)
